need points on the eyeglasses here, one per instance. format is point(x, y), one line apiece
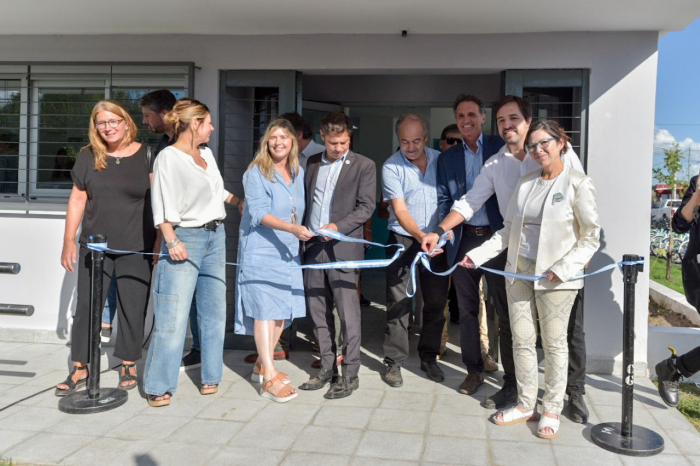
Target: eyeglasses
point(544, 143)
point(111, 123)
point(453, 141)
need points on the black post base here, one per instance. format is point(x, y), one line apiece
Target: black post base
point(643, 442)
point(79, 403)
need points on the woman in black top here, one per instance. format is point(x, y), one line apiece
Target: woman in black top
point(111, 194)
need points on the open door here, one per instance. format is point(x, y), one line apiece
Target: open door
point(248, 101)
point(560, 95)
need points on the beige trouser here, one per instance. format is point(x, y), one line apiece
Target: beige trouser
point(483, 322)
point(552, 307)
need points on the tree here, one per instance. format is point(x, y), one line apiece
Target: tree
point(668, 174)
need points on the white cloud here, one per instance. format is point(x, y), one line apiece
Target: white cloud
point(664, 139)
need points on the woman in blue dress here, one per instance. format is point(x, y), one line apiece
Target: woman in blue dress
point(269, 292)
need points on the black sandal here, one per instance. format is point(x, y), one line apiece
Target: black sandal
point(72, 386)
point(127, 377)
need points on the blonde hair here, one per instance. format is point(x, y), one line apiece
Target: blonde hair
point(183, 114)
point(97, 144)
point(263, 159)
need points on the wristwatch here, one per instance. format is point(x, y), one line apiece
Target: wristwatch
point(438, 230)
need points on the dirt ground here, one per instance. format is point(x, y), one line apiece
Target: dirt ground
point(665, 318)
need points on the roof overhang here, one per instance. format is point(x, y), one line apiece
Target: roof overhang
point(273, 17)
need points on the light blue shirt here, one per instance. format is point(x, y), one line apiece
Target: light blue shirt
point(403, 180)
point(328, 173)
point(473, 161)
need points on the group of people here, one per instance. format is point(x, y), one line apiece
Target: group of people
point(519, 202)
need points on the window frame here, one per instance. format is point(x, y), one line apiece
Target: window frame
point(81, 75)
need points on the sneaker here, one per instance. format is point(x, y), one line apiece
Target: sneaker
point(105, 334)
point(192, 361)
point(502, 398)
point(364, 302)
point(578, 411)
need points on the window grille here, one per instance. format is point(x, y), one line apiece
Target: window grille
point(45, 111)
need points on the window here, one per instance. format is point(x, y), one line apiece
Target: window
point(10, 103)
point(45, 113)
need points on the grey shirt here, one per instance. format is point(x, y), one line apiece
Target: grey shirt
point(328, 174)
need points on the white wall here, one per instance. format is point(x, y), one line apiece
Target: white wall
point(622, 88)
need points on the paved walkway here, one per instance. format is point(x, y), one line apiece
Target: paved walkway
point(420, 423)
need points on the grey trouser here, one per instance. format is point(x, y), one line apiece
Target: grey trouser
point(323, 289)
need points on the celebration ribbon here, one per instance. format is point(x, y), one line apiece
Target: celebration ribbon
point(422, 257)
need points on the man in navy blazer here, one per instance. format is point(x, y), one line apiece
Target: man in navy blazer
point(457, 168)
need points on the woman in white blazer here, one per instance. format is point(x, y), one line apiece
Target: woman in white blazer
point(551, 230)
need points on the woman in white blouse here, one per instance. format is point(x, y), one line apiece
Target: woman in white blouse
point(551, 230)
point(188, 198)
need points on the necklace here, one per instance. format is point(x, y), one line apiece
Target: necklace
point(117, 160)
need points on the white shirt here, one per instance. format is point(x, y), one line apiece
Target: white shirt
point(185, 194)
point(532, 217)
point(311, 149)
point(500, 175)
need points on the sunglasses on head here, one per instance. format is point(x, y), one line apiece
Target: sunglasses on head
point(452, 141)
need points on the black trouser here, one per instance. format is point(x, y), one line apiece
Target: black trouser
point(399, 305)
point(466, 282)
point(133, 275)
point(452, 301)
point(576, 337)
point(689, 363)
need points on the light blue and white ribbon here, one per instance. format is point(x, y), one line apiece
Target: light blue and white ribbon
point(422, 257)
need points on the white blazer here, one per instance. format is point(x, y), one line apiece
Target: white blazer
point(569, 235)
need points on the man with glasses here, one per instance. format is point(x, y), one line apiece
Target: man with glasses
point(500, 176)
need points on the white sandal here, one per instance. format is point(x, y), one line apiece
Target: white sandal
point(514, 416)
point(546, 421)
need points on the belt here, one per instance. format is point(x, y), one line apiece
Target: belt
point(211, 226)
point(477, 231)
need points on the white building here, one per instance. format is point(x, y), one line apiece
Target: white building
point(590, 64)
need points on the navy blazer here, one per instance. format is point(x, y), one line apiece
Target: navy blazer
point(452, 185)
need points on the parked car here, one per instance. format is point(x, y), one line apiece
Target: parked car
point(665, 208)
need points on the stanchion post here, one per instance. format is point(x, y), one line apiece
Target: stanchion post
point(94, 399)
point(624, 437)
point(96, 305)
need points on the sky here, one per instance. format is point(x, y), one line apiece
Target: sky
point(678, 96)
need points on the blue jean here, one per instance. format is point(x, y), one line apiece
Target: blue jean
point(110, 309)
point(174, 289)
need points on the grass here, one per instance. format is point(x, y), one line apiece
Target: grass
point(6, 462)
point(688, 402)
point(658, 274)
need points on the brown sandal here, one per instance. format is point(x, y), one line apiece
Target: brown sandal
point(257, 377)
point(283, 395)
point(208, 390)
point(154, 402)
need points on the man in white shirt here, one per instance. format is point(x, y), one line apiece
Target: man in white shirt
point(307, 145)
point(500, 175)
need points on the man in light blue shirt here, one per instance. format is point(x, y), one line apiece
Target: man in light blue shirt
point(410, 186)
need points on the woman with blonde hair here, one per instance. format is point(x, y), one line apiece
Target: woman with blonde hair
point(111, 195)
point(269, 296)
point(188, 207)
